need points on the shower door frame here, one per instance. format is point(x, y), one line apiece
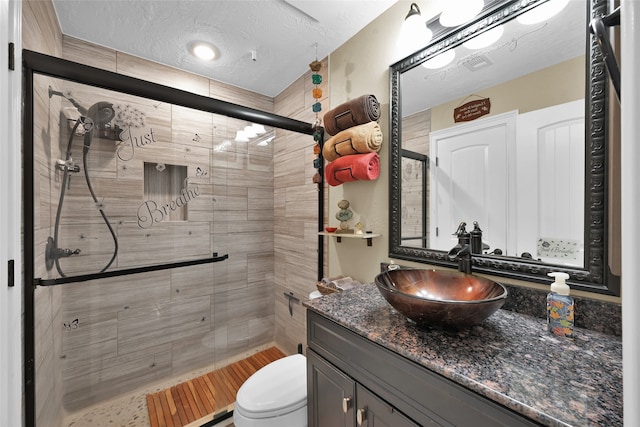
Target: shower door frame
point(38, 63)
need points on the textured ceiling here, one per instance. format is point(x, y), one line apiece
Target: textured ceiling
point(284, 34)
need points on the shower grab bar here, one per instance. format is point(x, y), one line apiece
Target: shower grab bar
point(127, 271)
point(598, 27)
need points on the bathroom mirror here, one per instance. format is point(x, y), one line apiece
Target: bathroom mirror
point(511, 135)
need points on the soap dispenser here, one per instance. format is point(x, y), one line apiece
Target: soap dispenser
point(560, 307)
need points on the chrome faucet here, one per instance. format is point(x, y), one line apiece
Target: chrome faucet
point(462, 251)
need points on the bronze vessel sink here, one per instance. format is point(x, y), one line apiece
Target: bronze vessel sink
point(434, 297)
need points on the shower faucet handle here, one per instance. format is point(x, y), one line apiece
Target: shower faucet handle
point(67, 166)
point(68, 252)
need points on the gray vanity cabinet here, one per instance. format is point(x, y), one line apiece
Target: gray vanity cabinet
point(330, 394)
point(348, 373)
point(338, 401)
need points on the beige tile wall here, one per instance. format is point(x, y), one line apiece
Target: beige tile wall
point(296, 210)
point(415, 137)
point(41, 33)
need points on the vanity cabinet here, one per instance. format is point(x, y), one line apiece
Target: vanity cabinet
point(338, 401)
point(351, 378)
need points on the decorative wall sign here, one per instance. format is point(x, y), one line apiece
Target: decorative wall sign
point(130, 140)
point(565, 249)
point(150, 212)
point(472, 110)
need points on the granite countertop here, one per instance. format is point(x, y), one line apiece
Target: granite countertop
point(510, 358)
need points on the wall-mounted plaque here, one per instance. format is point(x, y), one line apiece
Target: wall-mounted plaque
point(472, 110)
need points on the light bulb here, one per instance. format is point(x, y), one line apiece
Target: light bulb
point(543, 12)
point(249, 132)
point(440, 60)
point(203, 51)
point(414, 33)
point(241, 137)
point(459, 12)
point(258, 129)
point(485, 39)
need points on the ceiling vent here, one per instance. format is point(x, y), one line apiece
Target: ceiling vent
point(477, 62)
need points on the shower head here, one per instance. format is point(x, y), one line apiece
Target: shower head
point(101, 113)
point(98, 115)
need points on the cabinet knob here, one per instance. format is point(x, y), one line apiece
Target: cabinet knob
point(361, 415)
point(346, 404)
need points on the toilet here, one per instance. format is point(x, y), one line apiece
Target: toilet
point(274, 396)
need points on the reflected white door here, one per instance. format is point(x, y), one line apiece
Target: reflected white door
point(469, 179)
point(550, 183)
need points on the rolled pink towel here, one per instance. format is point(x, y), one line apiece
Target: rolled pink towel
point(358, 111)
point(365, 167)
point(359, 139)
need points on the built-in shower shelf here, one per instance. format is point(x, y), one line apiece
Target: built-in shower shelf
point(368, 236)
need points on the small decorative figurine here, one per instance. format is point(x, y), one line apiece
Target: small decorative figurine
point(359, 228)
point(344, 215)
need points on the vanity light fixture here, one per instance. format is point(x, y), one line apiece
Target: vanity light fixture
point(203, 50)
point(414, 32)
point(543, 12)
point(414, 11)
point(440, 60)
point(459, 12)
point(485, 39)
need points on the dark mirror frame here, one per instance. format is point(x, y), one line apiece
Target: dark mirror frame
point(596, 275)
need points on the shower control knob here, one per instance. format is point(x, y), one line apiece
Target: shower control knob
point(361, 415)
point(346, 404)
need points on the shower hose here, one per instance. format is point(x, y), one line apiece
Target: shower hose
point(65, 179)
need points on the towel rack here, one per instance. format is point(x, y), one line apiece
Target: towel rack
point(135, 270)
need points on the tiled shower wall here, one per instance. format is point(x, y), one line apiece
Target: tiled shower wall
point(296, 210)
point(41, 33)
point(415, 137)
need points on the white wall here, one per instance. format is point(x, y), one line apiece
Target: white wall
point(10, 162)
point(359, 67)
point(630, 150)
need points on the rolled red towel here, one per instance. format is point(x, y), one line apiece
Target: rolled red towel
point(357, 111)
point(365, 167)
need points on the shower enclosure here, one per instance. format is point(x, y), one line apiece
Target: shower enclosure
point(148, 235)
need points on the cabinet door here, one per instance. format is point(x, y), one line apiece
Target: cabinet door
point(331, 394)
point(374, 412)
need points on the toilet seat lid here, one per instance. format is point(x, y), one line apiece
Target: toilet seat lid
point(275, 389)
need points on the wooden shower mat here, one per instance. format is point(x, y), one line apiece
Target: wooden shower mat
point(200, 400)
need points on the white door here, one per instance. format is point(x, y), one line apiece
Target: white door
point(550, 183)
point(469, 180)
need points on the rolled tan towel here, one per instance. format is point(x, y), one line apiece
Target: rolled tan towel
point(358, 111)
point(359, 139)
point(352, 168)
